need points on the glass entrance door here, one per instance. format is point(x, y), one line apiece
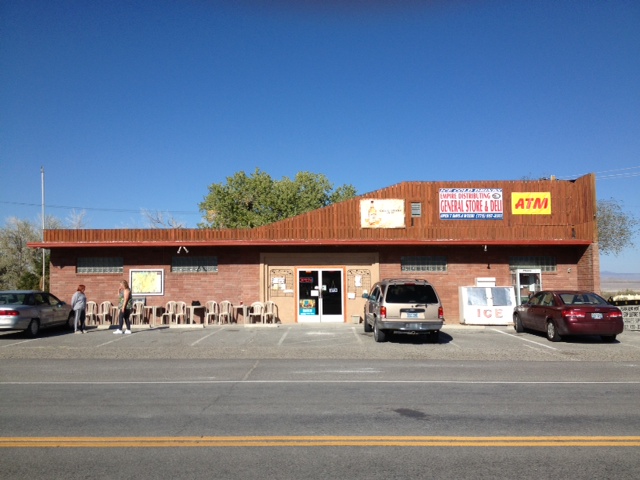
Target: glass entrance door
point(320, 297)
point(526, 282)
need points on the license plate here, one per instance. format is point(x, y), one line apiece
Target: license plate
point(596, 316)
point(412, 315)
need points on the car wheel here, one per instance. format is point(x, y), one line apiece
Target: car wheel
point(552, 332)
point(517, 324)
point(378, 334)
point(367, 326)
point(34, 328)
point(608, 338)
point(70, 321)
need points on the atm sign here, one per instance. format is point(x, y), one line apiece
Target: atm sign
point(531, 203)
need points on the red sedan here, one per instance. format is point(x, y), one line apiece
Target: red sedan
point(568, 312)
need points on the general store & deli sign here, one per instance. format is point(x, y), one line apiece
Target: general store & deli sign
point(471, 204)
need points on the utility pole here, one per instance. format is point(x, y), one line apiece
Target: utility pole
point(43, 224)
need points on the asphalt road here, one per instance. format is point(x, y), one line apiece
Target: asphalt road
point(343, 341)
point(318, 402)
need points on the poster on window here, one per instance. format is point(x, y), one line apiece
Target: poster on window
point(308, 307)
point(471, 204)
point(386, 213)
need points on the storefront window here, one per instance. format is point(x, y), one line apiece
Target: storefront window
point(100, 265)
point(192, 264)
point(423, 264)
point(545, 264)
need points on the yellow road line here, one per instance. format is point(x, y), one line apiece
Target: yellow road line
point(317, 441)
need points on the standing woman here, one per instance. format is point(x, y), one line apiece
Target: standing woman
point(79, 305)
point(125, 303)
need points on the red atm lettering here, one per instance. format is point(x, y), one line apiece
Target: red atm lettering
point(532, 204)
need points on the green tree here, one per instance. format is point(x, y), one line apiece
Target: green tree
point(21, 266)
point(247, 201)
point(18, 263)
point(616, 228)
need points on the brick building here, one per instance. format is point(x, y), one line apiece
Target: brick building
point(520, 234)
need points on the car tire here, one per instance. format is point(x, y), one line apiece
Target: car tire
point(552, 332)
point(379, 335)
point(517, 323)
point(70, 321)
point(608, 338)
point(34, 328)
point(367, 326)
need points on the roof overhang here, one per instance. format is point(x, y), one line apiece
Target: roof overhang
point(307, 243)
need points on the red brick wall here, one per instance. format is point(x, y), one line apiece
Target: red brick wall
point(589, 269)
point(465, 264)
point(237, 278)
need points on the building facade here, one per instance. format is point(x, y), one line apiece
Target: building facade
point(461, 236)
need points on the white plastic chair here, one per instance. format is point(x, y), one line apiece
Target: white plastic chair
point(169, 312)
point(226, 312)
point(270, 312)
point(91, 313)
point(256, 312)
point(137, 313)
point(212, 312)
point(181, 312)
point(115, 314)
point(105, 313)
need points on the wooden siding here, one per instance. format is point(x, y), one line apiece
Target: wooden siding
point(572, 219)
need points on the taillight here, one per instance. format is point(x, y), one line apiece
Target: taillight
point(383, 312)
point(9, 313)
point(440, 313)
point(615, 315)
point(573, 313)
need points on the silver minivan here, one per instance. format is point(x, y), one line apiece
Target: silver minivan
point(403, 305)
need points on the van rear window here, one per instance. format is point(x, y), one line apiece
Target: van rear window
point(411, 294)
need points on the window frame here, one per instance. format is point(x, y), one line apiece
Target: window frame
point(100, 265)
point(546, 264)
point(424, 263)
point(199, 264)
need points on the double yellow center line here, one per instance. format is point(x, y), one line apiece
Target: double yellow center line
point(317, 441)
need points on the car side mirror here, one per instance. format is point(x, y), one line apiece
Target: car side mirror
point(365, 295)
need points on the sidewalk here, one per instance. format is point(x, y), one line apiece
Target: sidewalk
point(327, 326)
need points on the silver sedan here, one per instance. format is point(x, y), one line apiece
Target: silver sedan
point(31, 310)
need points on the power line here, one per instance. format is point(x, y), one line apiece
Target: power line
point(619, 175)
point(117, 210)
point(627, 173)
point(617, 170)
point(599, 176)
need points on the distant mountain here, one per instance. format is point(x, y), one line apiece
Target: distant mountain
point(613, 282)
point(632, 277)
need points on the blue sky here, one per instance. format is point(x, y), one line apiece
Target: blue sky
point(132, 105)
